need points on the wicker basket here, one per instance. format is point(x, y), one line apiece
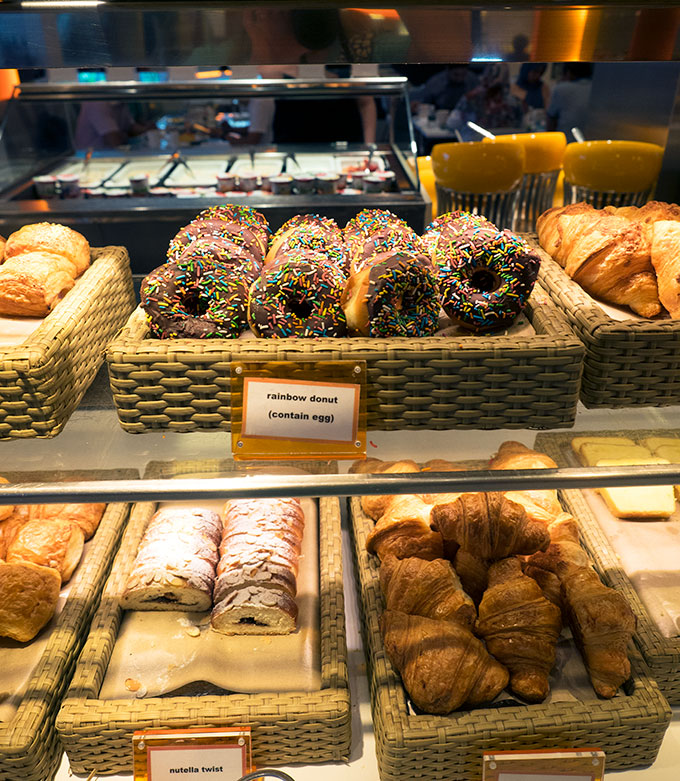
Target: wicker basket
point(287, 727)
point(43, 380)
point(29, 744)
point(662, 654)
point(629, 728)
point(627, 363)
point(432, 383)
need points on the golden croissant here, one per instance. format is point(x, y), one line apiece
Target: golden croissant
point(565, 548)
point(489, 525)
point(473, 573)
point(520, 628)
point(375, 505)
point(607, 254)
point(542, 505)
point(603, 625)
point(425, 588)
point(404, 530)
point(441, 663)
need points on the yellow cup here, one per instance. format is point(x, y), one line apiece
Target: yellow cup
point(426, 175)
point(542, 151)
point(477, 166)
point(616, 166)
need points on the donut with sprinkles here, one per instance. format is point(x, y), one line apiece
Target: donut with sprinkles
point(486, 277)
point(297, 297)
point(240, 224)
point(206, 252)
point(396, 295)
point(309, 233)
point(195, 303)
point(444, 231)
point(388, 238)
point(367, 222)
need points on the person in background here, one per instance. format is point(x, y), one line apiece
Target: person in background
point(490, 105)
point(530, 87)
point(568, 105)
point(443, 90)
point(106, 124)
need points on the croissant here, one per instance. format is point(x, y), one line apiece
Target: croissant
point(442, 664)
point(51, 238)
point(564, 547)
point(548, 582)
point(5, 509)
point(540, 505)
point(607, 254)
point(489, 525)
point(375, 506)
point(86, 516)
point(473, 573)
point(520, 628)
point(666, 262)
point(602, 624)
point(32, 284)
point(425, 588)
point(404, 530)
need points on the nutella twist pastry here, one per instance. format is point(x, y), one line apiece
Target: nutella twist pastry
point(176, 561)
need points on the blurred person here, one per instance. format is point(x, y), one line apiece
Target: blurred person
point(443, 90)
point(492, 106)
point(569, 100)
point(530, 87)
point(308, 120)
point(520, 50)
point(106, 125)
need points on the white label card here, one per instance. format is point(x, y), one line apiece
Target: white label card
point(197, 763)
point(540, 777)
point(294, 409)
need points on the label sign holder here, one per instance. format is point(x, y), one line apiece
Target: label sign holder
point(211, 754)
point(583, 764)
point(298, 410)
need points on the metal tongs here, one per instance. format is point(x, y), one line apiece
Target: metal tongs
point(288, 156)
point(371, 153)
point(173, 161)
point(230, 163)
point(481, 130)
point(86, 162)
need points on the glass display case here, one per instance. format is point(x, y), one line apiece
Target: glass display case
point(108, 156)
point(138, 196)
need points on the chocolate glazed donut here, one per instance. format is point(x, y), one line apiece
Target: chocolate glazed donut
point(297, 297)
point(396, 295)
point(194, 303)
point(206, 252)
point(208, 228)
point(486, 278)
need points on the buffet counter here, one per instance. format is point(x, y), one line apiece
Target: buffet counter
point(93, 439)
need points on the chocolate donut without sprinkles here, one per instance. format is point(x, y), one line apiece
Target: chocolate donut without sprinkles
point(195, 304)
point(297, 297)
point(394, 296)
point(488, 279)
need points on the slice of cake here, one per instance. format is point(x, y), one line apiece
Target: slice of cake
point(646, 502)
point(577, 442)
point(592, 452)
point(655, 442)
